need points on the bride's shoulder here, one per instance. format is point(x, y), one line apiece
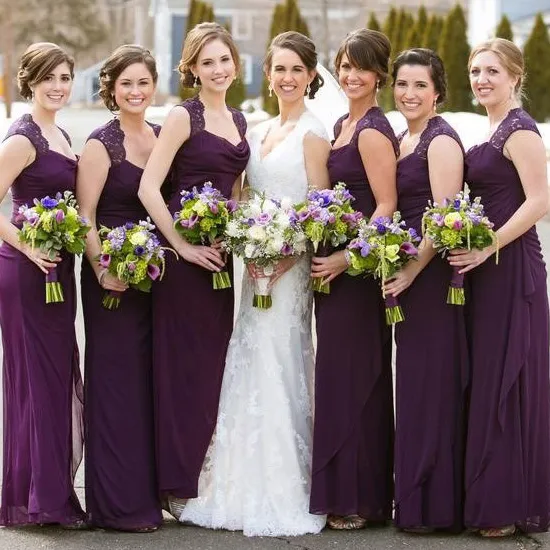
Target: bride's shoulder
point(259, 129)
point(310, 123)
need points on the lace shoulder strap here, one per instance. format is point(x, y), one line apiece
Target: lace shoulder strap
point(112, 138)
point(517, 119)
point(25, 126)
point(240, 121)
point(310, 123)
point(195, 108)
point(376, 119)
point(437, 126)
point(338, 126)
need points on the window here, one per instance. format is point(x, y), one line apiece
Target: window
point(246, 63)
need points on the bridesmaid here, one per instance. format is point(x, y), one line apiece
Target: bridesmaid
point(42, 383)
point(508, 446)
point(121, 491)
point(202, 140)
point(353, 433)
point(431, 375)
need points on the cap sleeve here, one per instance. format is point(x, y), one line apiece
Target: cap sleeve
point(195, 108)
point(437, 126)
point(313, 125)
point(375, 119)
point(25, 126)
point(240, 121)
point(517, 119)
point(112, 138)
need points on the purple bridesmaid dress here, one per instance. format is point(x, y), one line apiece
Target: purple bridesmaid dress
point(193, 322)
point(507, 477)
point(353, 431)
point(431, 370)
point(121, 489)
point(42, 383)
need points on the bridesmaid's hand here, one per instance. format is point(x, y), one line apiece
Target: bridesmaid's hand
point(41, 259)
point(401, 280)
point(330, 267)
point(203, 256)
point(468, 259)
point(281, 267)
point(110, 282)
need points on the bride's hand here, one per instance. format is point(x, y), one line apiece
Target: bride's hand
point(330, 267)
point(280, 268)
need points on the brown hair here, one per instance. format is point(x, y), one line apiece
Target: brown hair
point(368, 50)
point(196, 39)
point(304, 48)
point(509, 55)
point(38, 61)
point(425, 58)
point(118, 62)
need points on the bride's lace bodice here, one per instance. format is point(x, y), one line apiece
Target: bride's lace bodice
point(257, 473)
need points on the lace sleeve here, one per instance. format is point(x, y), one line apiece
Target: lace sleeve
point(517, 119)
point(112, 138)
point(338, 126)
point(25, 126)
point(240, 121)
point(315, 126)
point(195, 108)
point(375, 119)
point(437, 126)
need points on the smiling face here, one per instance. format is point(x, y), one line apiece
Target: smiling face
point(215, 66)
point(414, 92)
point(289, 75)
point(491, 83)
point(134, 88)
point(357, 83)
point(53, 92)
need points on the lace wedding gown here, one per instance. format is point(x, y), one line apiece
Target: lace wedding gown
point(257, 472)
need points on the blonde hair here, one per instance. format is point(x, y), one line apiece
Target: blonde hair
point(196, 39)
point(38, 61)
point(510, 57)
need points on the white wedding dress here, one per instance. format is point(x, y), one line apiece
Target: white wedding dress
point(257, 473)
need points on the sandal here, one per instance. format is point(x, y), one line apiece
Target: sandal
point(346, 523)
point(174, 506)
point(498, 532)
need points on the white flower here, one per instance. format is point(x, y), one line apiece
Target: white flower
point(269, 206)
point(139, 238)
point(254, 209)
point(283, 220)
point(257, 233)
point(286, 203)
point(232, 229)
point(249, 251)
point(275, 245)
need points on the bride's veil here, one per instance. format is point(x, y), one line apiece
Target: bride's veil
point(330, 102)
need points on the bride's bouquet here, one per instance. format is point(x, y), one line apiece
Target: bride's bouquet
point(53, 225)
point(263, 231)
point(328, 219)
point(381, 249)
point(202, 219)
point(458, 223)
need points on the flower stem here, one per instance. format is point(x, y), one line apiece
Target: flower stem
point(221, 280)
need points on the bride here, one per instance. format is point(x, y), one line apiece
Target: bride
point(257, 472)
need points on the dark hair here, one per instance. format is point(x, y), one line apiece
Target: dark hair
point(425, 58)
point(195, 41)
point(368, 50)
point(116, 64)
point(304, 48)
point(38, 61)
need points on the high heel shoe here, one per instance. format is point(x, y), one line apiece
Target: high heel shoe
point(174, 506)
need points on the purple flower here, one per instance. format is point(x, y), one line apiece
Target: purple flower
point(232, 206)
point(409, 249)
point(264, 218)
point(286, 250)
point(190, 223)
point(380, 228)
point(129, 225)
point(105, 260)
point(59, 216)
point(131, 267)
point(213, 207)
point(414, 234)
point(456, 204)
point(303, 215)
point(457, 225)
point(439, 220)
point(153, 271)
point(48, 203)
point(139, 250)
point(365, 249)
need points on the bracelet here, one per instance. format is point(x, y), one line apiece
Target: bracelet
point(347, 255)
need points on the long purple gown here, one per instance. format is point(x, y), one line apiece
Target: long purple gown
point(121, 489)
point(431, 370)
point(193, 322)
point(353, 431)
point(507, 477)
point(42, 384)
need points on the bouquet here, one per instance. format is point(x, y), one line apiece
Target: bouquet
point(53, 225)
point(202, 219)
point(381, 249)
point(458, 223)
point(263, 231)
point(131, 252)
point(328, 218)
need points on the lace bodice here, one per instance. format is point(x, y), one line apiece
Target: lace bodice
point(282, 171)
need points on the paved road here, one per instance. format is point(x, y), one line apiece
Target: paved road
point(79, 123)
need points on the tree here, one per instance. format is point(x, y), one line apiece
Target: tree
point(373, 23)
point(286, 17)
point(432, 33)
point(416, 32)
point(400, 32)
point(454, 51)
point(504, 29)
point(390, 23)
point(535, 51)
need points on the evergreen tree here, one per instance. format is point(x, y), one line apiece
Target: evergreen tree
point(400, 32)
point(432, 33)
point(373, 23)
point(286, 17)
point(236, 93)
point(504, 29)
point(416, 33)
point(390, 24)
point(536, 52)
point(454, 51)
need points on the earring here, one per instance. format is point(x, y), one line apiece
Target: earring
point(377, 85)
point(435, 104)
point(196, 82)
point(270, 89)
point(308, 89)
